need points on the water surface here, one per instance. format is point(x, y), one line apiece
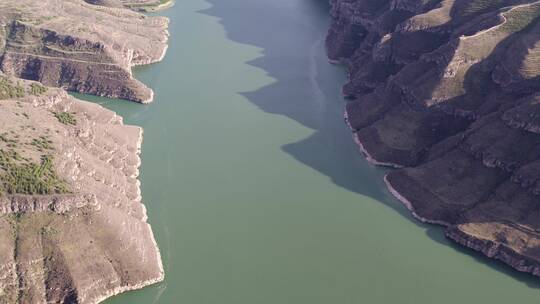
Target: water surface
point(254, 188)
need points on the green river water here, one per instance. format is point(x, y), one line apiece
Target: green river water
point(255, 189)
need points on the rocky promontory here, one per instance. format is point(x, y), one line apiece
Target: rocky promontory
point(136, 5)
point(448, 92)
point(73, 226)
point(74, 229)
point(80, 46)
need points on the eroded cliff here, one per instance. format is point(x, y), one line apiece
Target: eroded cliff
point(448, 92)
point(73, 226)
point(74, 229)
point(80, 46)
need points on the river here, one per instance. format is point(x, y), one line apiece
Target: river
point(255, 189)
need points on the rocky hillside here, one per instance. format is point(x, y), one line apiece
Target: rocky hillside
point(80, 46)
point(73, 226)
point(136, 5)
point(448, 92)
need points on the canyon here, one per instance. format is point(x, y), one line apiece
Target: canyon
point(444, 92)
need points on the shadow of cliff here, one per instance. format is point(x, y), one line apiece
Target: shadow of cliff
point(306, 87)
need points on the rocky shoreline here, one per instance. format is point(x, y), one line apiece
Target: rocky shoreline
point(81, 47)
point(74, 226)
point(447, 94)
point(88, 238)
point(410, 206)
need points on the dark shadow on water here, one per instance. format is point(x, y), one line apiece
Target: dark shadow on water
point(307, 87)
point(307, 90)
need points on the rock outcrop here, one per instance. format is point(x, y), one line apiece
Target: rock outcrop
point(74, 229)
point(81, 47)
point(448, 92)
point(136, 5)
point(73, 226)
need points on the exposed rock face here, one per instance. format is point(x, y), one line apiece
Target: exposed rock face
point(449, 91)
point(89, 240)
point(137, 5)
point(73, 226)
point(80, 47)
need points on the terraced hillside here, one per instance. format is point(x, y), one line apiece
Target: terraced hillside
point(80, 46)
point(73, 226)
point(448, 92)
point(137, 5)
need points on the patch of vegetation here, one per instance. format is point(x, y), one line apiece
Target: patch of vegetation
point(480, 6)
point(18, 216)
point(37, 89)
point(42, 143)
point(4, 137)
point(520, 18)
point(66, 118)
point(10, 90)
point(23, 177)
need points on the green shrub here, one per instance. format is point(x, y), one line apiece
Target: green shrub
point(65, 118)
point(20, 177)
point(42, 143)
point(37, 89)
point(10, 90)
